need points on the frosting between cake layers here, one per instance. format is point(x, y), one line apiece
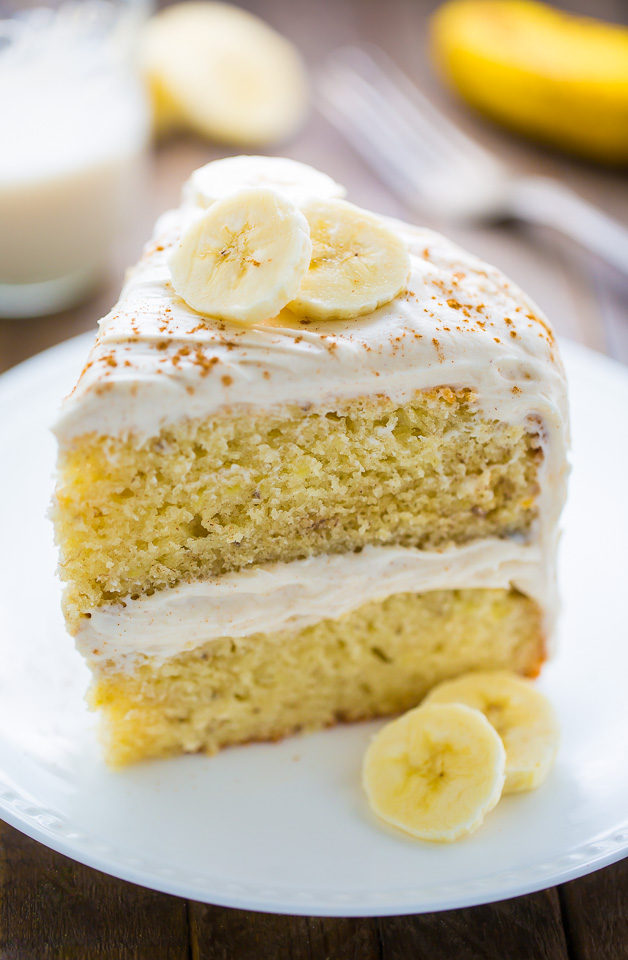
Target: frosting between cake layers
point(291, 596)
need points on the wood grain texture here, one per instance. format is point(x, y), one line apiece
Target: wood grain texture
point(52, 908)
point(220, 934)
point(528, 928)
point(595, 914)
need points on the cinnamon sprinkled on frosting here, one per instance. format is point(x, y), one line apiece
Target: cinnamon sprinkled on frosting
point(460, 322)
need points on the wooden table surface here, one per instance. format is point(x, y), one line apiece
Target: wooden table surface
point(51, 907)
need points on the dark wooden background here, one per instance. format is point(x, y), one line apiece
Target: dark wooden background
point(54, 909)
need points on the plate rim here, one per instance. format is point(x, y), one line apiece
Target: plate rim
point(28, 820)
point(36, 821)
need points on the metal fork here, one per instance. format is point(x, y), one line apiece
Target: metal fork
point(430, 164)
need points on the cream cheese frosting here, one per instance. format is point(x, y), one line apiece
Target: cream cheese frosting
point(291, 596)
point(460, 323)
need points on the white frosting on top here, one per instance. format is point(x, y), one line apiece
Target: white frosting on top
point(291, 596)
point(460, 323)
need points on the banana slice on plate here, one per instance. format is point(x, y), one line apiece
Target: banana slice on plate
point(221, 177)
point(522, 716)
point(243, 259)
point(435, 772)
point(357, 263)
point(226, 73)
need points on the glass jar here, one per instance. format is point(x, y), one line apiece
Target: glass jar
point(74, 122)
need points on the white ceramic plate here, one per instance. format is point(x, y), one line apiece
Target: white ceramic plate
point(285, 827)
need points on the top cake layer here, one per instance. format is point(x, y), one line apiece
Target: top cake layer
point(460, 323)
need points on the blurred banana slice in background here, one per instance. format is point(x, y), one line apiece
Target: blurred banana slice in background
point(550, 75)
point(223, 73)
point(521, 715)
point(293, 179)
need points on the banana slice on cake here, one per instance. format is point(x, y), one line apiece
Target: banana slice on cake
point(223, 72)
point(243, 259)
point(521, 715)
point(435, 772)
point(221, 177)
point(357, 263)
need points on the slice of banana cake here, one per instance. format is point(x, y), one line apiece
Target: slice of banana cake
point(314, 465)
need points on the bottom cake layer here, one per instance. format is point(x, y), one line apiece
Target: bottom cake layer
point(380, 659)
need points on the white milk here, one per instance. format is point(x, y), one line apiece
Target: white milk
point(73, 127)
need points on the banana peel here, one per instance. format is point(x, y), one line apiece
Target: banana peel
point(552, 76)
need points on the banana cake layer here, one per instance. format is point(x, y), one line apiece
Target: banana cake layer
point(259, 484)
point(209, 497)
point(380, 659)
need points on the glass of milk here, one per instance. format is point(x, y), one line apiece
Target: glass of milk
point(74, 123)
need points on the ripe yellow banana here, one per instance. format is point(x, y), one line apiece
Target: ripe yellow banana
point(244, 258)
point(521, 715)
point(435, 772)
point(357, 263)
point(224, 73)
point(545, 73)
